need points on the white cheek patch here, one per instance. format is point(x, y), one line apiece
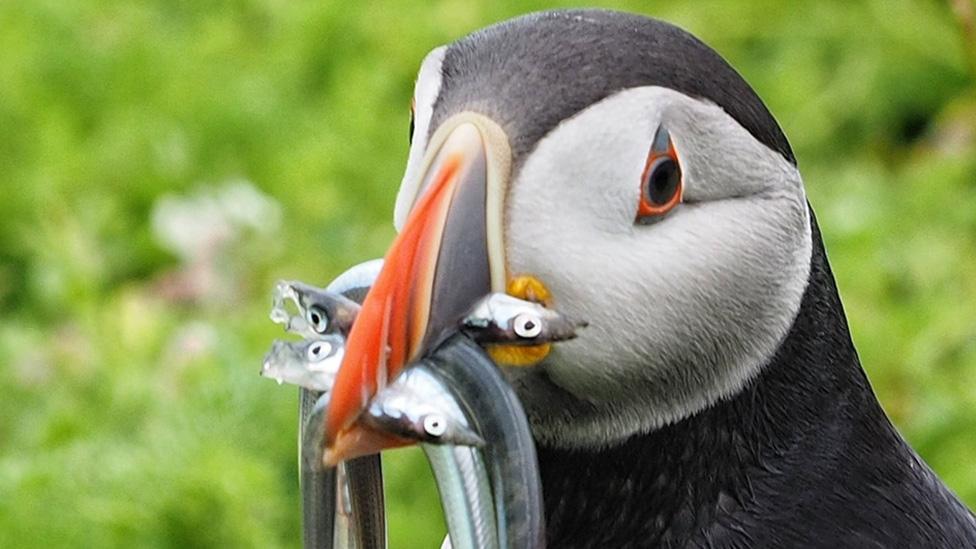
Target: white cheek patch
point(585, 179)
point(426, 90)
point(682, 312)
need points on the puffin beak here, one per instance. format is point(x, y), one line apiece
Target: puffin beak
point(448, 255)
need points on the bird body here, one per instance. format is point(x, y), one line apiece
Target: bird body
point(715, 398)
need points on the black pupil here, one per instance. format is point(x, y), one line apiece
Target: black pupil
point(411, 129)
point(316, 318)
point(663, 181)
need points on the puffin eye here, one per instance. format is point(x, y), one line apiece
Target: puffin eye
point(317, 319)
point(413, 117)
point(661, 183)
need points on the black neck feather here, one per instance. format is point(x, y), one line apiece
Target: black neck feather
point(794, 459)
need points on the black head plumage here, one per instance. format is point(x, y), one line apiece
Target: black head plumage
point(532, 72)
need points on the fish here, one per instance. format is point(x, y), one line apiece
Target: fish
point(503, 319)
point(342, 506)
point(312, 363)
point(410, 409)
point(326, 518)
point(320, 311)
point(475, 385)
point(415, 408)
point(490, 493)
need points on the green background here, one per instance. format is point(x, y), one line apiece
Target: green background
point(274, 133)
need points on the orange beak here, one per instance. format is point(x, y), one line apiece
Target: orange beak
point(448, 254)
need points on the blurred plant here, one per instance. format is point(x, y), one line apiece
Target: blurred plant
point(202, 229)
point(965, 11)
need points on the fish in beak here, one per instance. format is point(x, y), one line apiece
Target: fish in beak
point(448, 255)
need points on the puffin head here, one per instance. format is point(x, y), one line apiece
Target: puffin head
point(634, 179)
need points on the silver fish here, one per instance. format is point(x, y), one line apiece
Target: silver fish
point(462, 474)
point(342, 507)
point(501, 318)
point(320, 311)
point(311, 364)
point(416, 408)
point(324, 522)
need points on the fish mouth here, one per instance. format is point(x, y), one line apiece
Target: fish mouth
point(449, 254)
point(312, 363)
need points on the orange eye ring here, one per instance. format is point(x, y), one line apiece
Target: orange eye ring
point(661, 181)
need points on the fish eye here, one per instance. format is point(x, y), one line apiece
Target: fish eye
point(318, 351)
point(527, 326)
point(317, 319)
point(435, 425)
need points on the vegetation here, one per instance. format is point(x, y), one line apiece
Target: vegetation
point(163, 162)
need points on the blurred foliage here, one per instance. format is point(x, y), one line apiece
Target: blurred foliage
point(132, 413)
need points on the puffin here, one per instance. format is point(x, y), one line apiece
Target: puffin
point(614, 167)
